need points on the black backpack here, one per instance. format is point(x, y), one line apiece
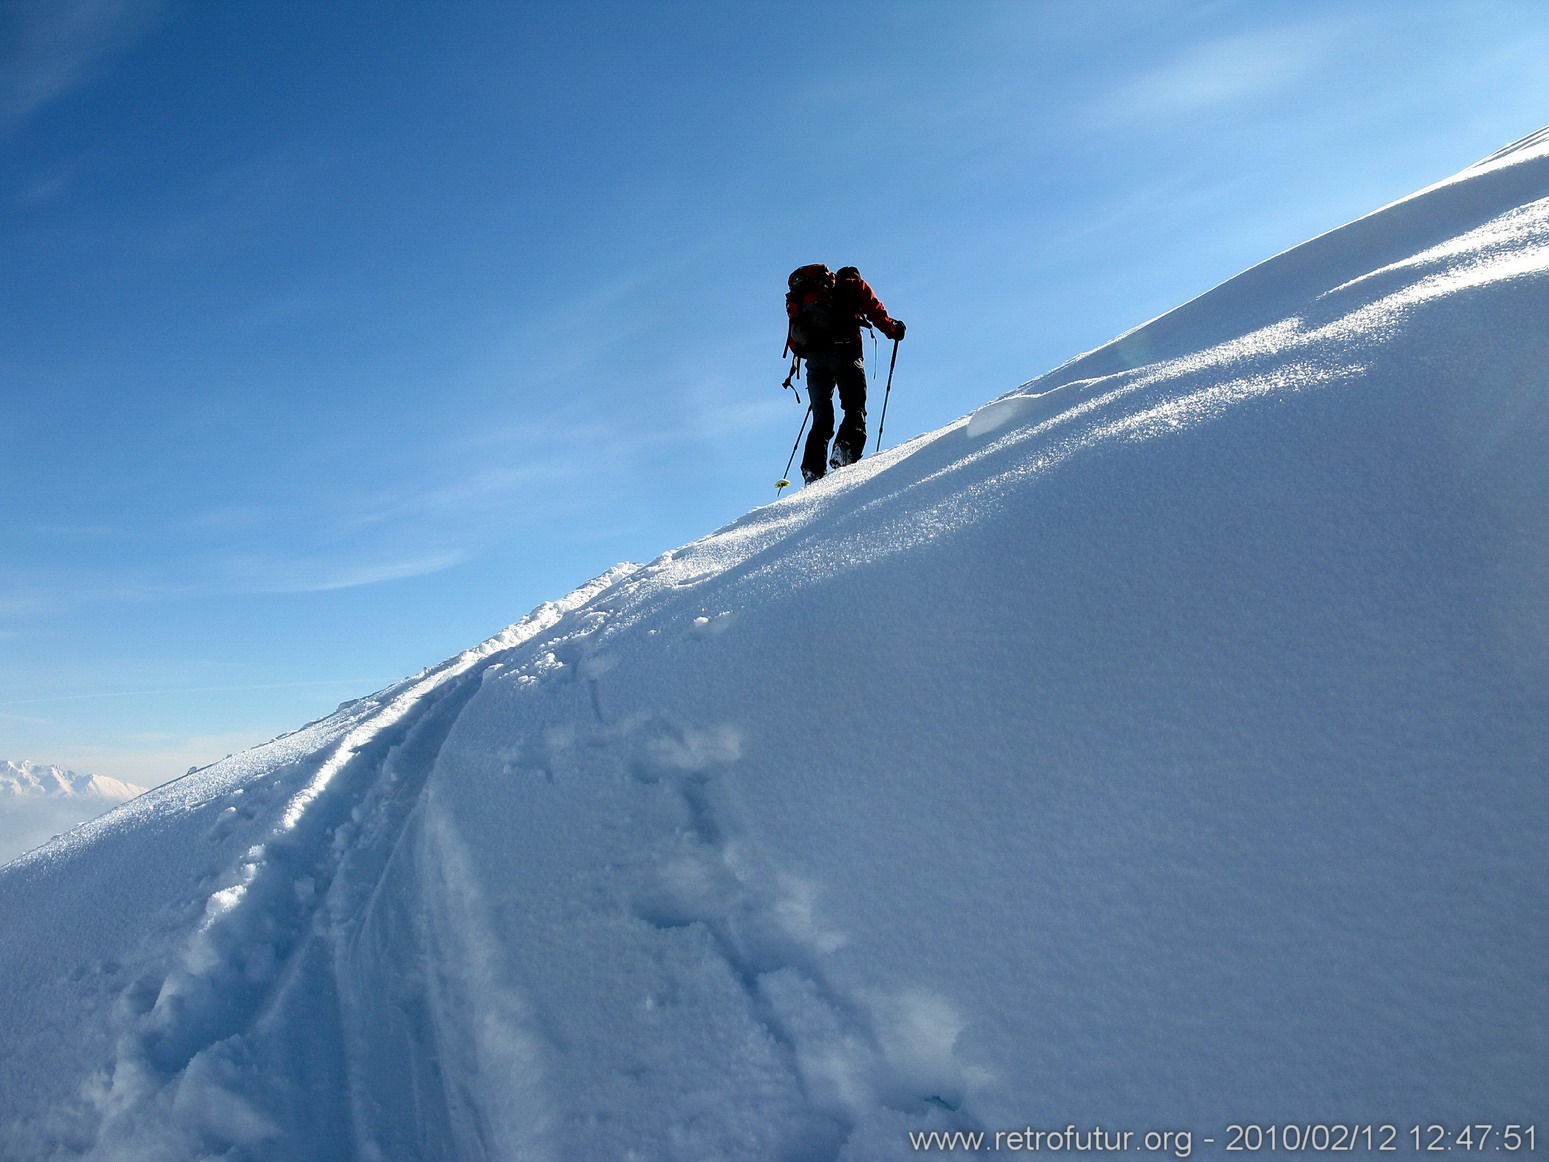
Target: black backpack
point(816, 319)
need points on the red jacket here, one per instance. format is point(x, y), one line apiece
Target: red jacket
point(854, 302)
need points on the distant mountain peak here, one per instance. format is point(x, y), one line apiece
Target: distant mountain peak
point(26, 780)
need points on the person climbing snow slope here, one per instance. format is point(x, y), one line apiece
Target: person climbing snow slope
point(826, 312)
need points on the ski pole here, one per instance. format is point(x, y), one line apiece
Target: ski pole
point(882, 423)
point(784, 481)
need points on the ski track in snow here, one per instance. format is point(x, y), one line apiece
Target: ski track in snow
point(383, 955)
point(180, 1070)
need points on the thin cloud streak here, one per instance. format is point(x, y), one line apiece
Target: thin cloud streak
point(321, 578)
point(57, 44)
point(185, 690)
point(30, 597)
point(1222, 74)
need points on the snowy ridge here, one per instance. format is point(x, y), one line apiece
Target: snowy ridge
point(1104, 756)
point(1303, 283)
point(1533, 141)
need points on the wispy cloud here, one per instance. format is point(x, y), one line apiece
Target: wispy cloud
point(477, 492)
point(353, 682)
point(54, 45)
point(524, 453)
point(302, 576)
point(27, 718)
point(1221, 74)
point(265, 569)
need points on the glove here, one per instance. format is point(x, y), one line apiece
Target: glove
point(898, 330)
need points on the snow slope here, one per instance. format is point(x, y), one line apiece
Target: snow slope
point(1162, 746)
point(38, 802)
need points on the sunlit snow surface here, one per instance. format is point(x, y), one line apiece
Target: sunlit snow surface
point(1162, 746)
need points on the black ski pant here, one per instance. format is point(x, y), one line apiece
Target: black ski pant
point(841, 367)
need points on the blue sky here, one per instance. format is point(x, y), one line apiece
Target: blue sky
point(336, 336)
